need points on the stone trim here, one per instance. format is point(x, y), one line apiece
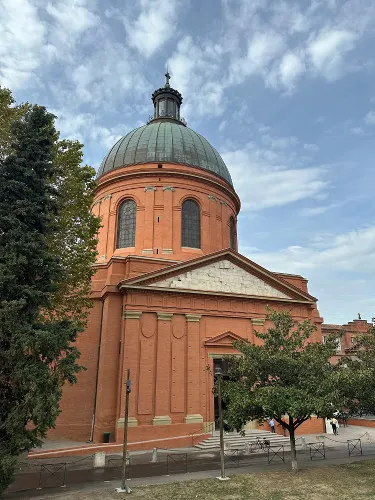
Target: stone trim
point(169, 188)
point(148, 251)
point(213, 198)
point(167, 250)
point(208, 427)
point(150, 188)
point(223, 203)
point(193, 318)
point(107, 197)
point(102, 257)
point(221, 356)
point(258, 321)
point(162, 420)
point(164, 316)
point(131, 314)
point(193, 419)
point(132, 422)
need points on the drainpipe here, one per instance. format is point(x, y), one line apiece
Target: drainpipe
point(97, 374)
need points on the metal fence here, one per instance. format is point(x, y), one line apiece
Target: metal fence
point(33, 475)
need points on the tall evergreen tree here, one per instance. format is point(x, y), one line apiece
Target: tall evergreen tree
point(36, 351)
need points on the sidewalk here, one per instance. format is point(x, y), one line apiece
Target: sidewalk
point(78, 473)
point(103, 481)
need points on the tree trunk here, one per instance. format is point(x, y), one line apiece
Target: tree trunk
point(293, 445)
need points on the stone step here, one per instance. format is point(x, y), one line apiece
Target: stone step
point(235, 440)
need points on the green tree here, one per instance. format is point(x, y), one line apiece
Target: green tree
point(9, 113)
point(75, 237)
point(356, 376)
point(47, 248)
point(287, 378)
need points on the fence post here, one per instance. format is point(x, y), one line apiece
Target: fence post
point(154, 458)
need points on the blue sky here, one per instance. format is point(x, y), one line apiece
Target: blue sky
point(284, 90)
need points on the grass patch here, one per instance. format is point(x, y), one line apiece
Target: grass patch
point(344, 482)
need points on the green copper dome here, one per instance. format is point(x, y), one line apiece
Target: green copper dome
point(165, 140)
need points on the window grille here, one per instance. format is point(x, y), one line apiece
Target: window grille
point(126, 224)
point(191, 224)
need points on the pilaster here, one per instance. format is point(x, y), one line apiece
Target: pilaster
point(163, 370)
point(130, 351)
point(193, 369)
point(168, 220)
point(148, 242)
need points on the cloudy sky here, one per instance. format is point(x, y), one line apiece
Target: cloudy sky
point(283, 89)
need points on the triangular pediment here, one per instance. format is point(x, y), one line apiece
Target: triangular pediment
point(224, 272)
point(223, 340)
point(222, 276)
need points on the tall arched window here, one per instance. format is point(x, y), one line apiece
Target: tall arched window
point(191, 224)
point(126, 224)
point(232, 233)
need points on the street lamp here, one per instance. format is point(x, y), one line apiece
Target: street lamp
point(219, 375)
point(124, 487)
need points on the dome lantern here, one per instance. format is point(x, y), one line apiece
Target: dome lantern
point(167, 102)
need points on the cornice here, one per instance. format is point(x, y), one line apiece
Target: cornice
point(167, 173)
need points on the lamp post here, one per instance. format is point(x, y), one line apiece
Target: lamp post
point(219, 375)
point(124, 487)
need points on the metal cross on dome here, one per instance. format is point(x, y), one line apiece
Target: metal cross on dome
point(167, 78)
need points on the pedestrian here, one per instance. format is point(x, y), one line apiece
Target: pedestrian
point(272, 425)
point(334, 425)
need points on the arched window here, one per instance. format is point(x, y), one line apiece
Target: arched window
point(232, 233)
point(126, 224)
point(191, 224)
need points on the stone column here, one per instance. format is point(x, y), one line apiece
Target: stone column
point(163, 371)
point(130, 348)
point(193, 370)
point(148, 243)
point(168, 220)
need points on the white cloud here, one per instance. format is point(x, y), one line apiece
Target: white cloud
point(351, 251)
point(290, 69)
point(357, 130)
point(312, 148)
point(262, 49)
point(71, 19)
point(84, 127)
point(22, 37)
point(327, 52)
point(196, 73)
point(308, 212)
point(370, 118)
point(266, 178)
point(155, 24)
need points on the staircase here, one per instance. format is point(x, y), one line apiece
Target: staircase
point(233, 440)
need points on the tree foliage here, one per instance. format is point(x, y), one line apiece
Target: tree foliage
point(74, 239)
point(287, 377)
point(47, 248)
point(356, 376)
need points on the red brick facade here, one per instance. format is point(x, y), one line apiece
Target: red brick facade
point(167, 336)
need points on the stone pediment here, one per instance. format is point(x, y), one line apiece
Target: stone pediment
point(225, 272)
point(223, 340)
point(222, 276)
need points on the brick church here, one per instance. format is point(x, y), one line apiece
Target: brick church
point(171, 292)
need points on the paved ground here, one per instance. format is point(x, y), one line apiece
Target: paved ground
point(77, 472)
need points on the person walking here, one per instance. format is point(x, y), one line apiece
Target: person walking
point(272, 425)
point(334, 425)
